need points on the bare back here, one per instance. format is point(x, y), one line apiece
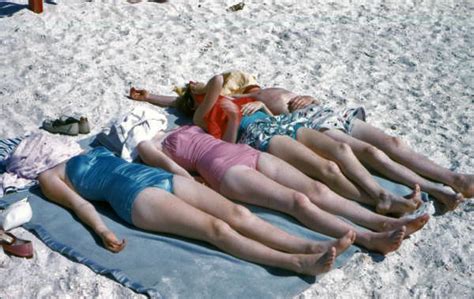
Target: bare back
point(275, 98)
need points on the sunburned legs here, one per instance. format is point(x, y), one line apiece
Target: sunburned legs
point(159, 211)
point(399, 151)
point(378, 160)
point(248, 185)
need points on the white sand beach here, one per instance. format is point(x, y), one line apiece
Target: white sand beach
point(410, 63)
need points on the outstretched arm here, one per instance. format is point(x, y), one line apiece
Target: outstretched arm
point(54, 187)
point(158, 100)
point(153, 156)
point(213, 90)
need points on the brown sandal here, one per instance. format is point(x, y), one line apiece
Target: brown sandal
point(15, 246)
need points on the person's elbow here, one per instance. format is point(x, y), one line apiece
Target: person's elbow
point(217, 79)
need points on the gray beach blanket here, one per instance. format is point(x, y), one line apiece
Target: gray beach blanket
point(167, 266)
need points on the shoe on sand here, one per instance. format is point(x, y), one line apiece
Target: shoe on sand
point(83, 122)
point(60, 127)
point(84, 127)
point(16, 246)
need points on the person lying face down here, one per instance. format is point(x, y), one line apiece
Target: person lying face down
point(242, 173)
point(283, 136)
point(159, 201)
point(344, 138)
point(373, 147)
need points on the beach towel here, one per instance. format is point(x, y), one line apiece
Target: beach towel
point(167, 266)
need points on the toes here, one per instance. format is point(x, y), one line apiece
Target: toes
point(382, 208)
point(353, 237)
point(398, 234)
point(402, 231)
point(399, 238)
point(344, 242)
point(413, 204)
point(332, 254)
point(416, 189)
point(457, 201)
point(425, 218)
point(331, 258)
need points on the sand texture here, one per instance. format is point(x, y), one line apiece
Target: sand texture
point(410, 63)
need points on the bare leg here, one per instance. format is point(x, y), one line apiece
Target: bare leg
point(399, 151)
point(285, 174)
point(245, 222)
point(313, 165)
point(379, 161)
point(250, 186)
point(342, 154)
point(160, 211)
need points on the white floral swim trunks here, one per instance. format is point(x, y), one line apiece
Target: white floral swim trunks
point(317, 117)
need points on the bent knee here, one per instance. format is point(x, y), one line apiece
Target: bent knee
point(343, 148)
point(396, 142)
point(331, 169)
point(240, 213)
point(300, 202)
point(374, 152)
point(317, 189)
point(219, 229)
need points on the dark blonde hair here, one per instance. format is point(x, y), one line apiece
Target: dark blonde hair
point(185, 103)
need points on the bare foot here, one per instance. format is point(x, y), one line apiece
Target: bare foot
point(340, 244)
point(386, 242)
point(464, 183)
point(138, 94)
point(415, 196)
point(449, 198)
point(412, 225)
point(391, 204)
point(313, 264)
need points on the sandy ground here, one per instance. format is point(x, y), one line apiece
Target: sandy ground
point(410, 63)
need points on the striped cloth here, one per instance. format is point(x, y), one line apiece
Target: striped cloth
point(7, 146)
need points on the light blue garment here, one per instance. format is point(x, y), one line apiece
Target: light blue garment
point(249, 119)
point(100, 175)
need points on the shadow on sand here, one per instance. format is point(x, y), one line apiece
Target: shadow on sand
point(7, 9)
